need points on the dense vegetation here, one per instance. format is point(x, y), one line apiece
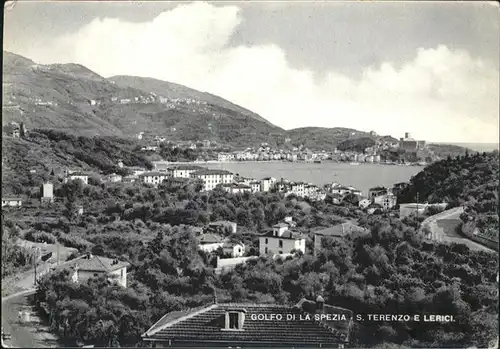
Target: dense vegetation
point(390, 269)
point(469, 180)
point(29, 161)
point(356, 145)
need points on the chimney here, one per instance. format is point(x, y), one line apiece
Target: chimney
point(89, 255)
point(407, 135)
point(320, 302)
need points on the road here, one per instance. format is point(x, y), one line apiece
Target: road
point(443, 227)
point(33, 333)
point(17, 296)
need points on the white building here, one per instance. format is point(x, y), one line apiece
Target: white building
point(210, 242)
point(255, 185)
point(234, 249)
point(237, 188)
point(12, 202)
point(267, 183)
point(183, 171)
point(212, 178)
point(114, 178)
point(281, 241)
point(364, 203)
point(154, 178)
point(225, 157)
point(387, 201)
point(340, 190)
point(77, 175)
point(88, 266)
point(47, 192)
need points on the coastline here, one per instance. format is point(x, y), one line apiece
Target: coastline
point(214, 162)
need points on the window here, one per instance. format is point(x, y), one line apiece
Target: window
point(266, 249)
point(281, 244)
point(233, 320)
point(266, 241)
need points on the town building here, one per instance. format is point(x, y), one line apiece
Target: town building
point(183, 171)
point(212, 178)
point(410, 144)
point(234, 249)
point(210, 242)
point(338, 231)
point(267, 183)
point(387, 201)
point(222, 227)
point(255, 186)
point(244, 325)
point(88, 266)
point(72, 176)
point(225, 157)
point(153, 177)
point(47, 192)
point(281, 241)
point(113, 178)
point(364, 203)
point(12, 202)
point(236, 188)
point(377, 191)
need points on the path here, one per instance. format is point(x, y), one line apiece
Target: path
point(33, 333)
point(17, 295)
point(443, 228)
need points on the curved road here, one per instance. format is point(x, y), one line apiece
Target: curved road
point(25, 334)
point(443, 228)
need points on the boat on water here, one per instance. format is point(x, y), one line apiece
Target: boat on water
point(317, 161)
point(354, 163)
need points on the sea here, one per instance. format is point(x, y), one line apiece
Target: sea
point(362, 176)
point(480, 147)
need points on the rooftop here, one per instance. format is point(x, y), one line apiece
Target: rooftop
point(10, 198)
point(210, 239)
point(205, 324)
point(211, 172)
point(288, 234)
point(153, 173)
point(94, 263)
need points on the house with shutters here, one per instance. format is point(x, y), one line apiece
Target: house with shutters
point(88, 266)
point(281, 240)
point(307, 324)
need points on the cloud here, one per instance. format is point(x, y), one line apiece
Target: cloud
point(441, 95)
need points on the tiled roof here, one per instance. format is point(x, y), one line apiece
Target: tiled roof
point(153, 173)
point(11, 199)
point(289, 234)
point(205, 324)
point(280, 225)
point(210, 239)
point(95, 263)
point(211, 172)
point(339, 230)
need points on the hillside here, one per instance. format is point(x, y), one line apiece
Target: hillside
point(470, 180)
point(73, 99)
point(347, 139)
point(457, 180)
point(171, 90)
point(27, 162)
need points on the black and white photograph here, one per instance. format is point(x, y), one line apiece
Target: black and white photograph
point(250, 174)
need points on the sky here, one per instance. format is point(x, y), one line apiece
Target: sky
point(428, 68)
